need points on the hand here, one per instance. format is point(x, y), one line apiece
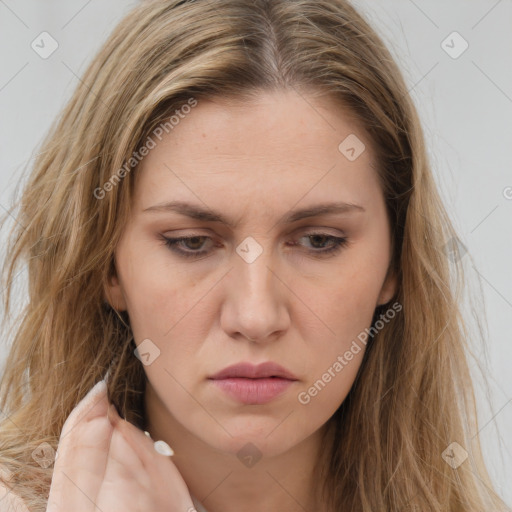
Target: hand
point(106, 464)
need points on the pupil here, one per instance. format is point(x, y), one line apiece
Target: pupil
point(316, 237)
point(194, 240)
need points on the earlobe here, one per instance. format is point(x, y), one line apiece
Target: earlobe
point(388, 289)
point(113, 291)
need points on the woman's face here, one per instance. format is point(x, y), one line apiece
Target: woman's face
point(265, 283)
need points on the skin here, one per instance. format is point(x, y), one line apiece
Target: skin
point(254, 162)
point(105, 463)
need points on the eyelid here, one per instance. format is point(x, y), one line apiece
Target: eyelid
point(184, 233)
point(320, 230)
point(337, 244)
point(298, 232)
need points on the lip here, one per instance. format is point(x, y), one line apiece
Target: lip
point(254, 384)
point(253, 391)
point(251, 371)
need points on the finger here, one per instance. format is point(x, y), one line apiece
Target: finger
point(82, 453)
point(141, 444)
point(123, 462)
point(162, 472)
point(92, 405)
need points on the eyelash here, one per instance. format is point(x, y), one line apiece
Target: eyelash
point(171, 243)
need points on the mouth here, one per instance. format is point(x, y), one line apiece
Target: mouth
point(253, 391)
point(251, 371)
point(254, 385)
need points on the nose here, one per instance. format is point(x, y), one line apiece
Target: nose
point(256, 299)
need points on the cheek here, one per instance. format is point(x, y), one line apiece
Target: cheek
point(148, 295)
point(160, 311)
point(167, 309)
point(345, 304)
point(158, 294)
point(346, 301)
point(336, 357)
point(330, 385)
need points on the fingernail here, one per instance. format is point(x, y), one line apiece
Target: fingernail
point(98, 389)
point(163, 448)
point(82, 407)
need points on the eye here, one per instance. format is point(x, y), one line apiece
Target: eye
point(193, 243)
point(320, 239)
point(192, 246)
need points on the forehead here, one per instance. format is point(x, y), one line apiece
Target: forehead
point(279, 147)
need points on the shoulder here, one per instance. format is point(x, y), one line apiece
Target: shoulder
point(11, 502)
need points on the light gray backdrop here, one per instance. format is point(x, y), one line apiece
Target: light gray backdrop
point(456, 57)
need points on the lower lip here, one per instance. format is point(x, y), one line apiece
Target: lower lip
point(253, 391)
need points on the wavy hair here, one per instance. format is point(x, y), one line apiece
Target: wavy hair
point(413, 394)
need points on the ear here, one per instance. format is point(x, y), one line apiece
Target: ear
point(113, 290)
point(389, 287)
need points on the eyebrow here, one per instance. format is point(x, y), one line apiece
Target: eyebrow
point(207, 215)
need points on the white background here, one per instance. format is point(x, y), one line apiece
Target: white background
point(465, 104)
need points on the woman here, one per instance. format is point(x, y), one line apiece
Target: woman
point(235, 219)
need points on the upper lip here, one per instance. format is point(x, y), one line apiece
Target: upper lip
point(251, 371)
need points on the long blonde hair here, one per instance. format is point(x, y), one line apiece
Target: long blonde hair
point(413, 395)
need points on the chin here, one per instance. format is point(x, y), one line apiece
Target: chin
point(257, 437)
